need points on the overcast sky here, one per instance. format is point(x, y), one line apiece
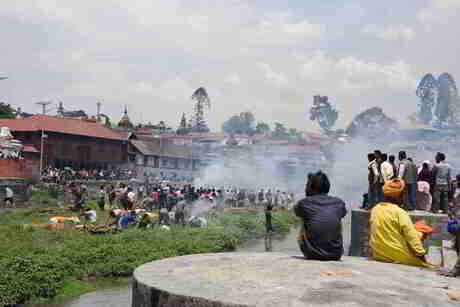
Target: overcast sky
point(265, 56)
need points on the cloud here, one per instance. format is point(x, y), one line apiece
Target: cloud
point(391, 33)
point(268, 57)
point(232, 78)
point(272, 77)
point(445, 4)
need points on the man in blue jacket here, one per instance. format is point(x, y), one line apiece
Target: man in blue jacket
point(321, 235)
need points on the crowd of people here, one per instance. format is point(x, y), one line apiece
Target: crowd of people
point(173, 203)
point(67, 174)
point(428, 186)
point(393, 236)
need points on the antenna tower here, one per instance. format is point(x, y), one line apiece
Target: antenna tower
point(44, 104)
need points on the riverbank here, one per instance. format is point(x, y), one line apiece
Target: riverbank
point(41, 264)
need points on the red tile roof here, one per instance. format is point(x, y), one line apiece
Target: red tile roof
point(61, 125)
point(30, 148)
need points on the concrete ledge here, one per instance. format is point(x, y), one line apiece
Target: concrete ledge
point(275, 280)
point(359, 245)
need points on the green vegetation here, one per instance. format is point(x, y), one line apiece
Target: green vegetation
point(41, 263)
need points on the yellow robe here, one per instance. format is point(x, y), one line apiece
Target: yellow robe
point(393, 236)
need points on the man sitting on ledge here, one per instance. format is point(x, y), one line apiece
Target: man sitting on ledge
point(320, 237)
point(393, 236)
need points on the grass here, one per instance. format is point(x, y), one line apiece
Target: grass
point(39, 264)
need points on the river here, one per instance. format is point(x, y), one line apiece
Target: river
point(121, 296)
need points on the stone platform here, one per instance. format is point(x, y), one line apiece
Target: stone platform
point(359, 245)
point(279, 280)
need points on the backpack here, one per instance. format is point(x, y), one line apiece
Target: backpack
point(453, 226)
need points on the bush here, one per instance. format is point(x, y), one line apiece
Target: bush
point(37, 263)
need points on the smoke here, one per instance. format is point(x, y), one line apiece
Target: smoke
point(252, 170)
point(348, 174)
point(199, 208)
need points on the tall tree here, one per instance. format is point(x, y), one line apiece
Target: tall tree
point(323, 112)
point(6, 111)
point(183, 129)
point(202, 101)
point(447, 110)
point(426, 91)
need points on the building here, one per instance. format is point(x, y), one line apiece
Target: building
point(163, 157)
point(77, 143)
point(76, 114)
point(125, 122)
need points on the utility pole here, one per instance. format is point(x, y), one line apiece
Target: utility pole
point(98, 104)
point(43, 137)
point(43, 104)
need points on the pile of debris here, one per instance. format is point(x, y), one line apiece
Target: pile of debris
point(96, 229)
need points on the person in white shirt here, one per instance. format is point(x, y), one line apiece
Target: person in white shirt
point(386, 168)
point(9, 196)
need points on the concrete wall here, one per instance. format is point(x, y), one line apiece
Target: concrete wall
point(360, 230)
point(27, 169)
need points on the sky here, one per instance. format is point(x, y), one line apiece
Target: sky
point(268, 57)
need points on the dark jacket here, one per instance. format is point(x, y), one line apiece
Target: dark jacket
point(321, 215)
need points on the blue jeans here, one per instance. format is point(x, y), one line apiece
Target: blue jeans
point(411, 195)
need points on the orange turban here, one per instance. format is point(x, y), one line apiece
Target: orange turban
point(394, 188)
point(422, 226)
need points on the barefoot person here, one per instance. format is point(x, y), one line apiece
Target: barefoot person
point(320, 237)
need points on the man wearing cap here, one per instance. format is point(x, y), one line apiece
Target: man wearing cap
point(393, 236)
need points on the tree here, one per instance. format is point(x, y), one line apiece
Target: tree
point(202, 100)
point(233, 125)
point(426, 91)
point(262, 128)
point(323, 112)
point(280, 131)
point(183, 129)
point(107, 122)
point(240, 124)
point(6, 111)
point(447, 110)
point(372, 124)
point(247, 121)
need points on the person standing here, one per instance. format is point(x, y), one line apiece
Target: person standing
point(408, 173)
point(101, 200)
point(261, 197)
point(386, 168)
point(442, 177)
point(426, 175)
point(9, 197)
point(373, 180)
point(391, 160)
point(268, 217)
point(320, 237)
point(112, 195)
